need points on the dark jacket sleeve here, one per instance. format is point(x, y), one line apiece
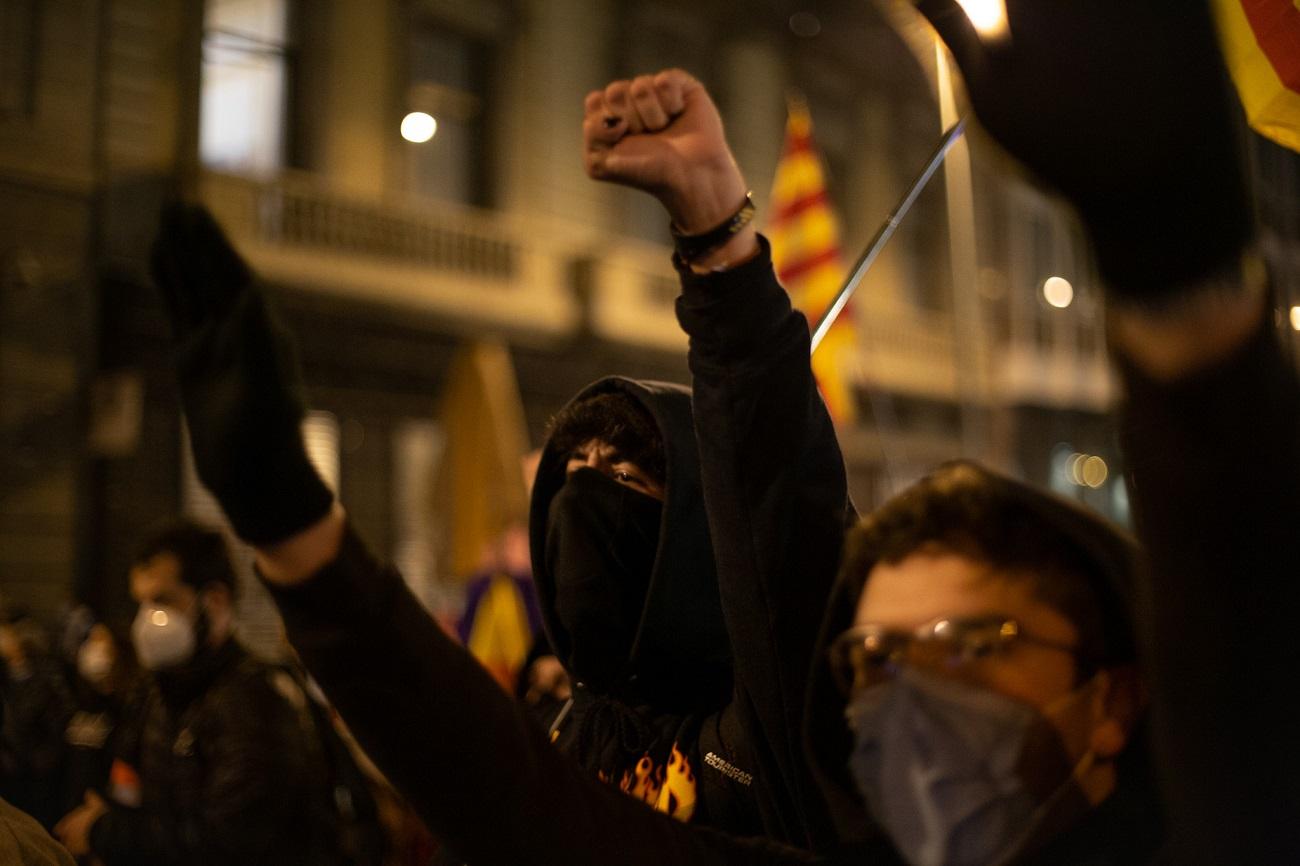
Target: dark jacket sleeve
point(1215, 462)
point(776, 494)
point(262, 765)
point(473, 765)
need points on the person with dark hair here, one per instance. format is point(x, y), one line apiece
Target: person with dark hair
point(230, 769)
point(106, 688)
point(625, 427)
point(980, 642)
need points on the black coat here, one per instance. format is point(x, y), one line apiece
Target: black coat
point(230, 772)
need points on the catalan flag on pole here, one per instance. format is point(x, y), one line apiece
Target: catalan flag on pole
point(1261, 44)
point(805, 236)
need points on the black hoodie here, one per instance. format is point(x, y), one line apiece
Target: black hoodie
point(675, 680)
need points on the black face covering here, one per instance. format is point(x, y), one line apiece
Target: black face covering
point(600, 549)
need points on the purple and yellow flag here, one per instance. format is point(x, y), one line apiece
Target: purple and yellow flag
point(805, 236)
point(1261, 44)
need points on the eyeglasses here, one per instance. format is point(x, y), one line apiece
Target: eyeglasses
point(867, 655)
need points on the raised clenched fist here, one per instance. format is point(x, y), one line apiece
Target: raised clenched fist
point(662, 134)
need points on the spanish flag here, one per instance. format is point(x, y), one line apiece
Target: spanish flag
point(1261, 44)
point(805, 236)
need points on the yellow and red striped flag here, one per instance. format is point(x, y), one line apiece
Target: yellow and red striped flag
point(805, 236)
point(1261, 44)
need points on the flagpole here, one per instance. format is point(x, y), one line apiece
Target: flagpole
point(884, 233)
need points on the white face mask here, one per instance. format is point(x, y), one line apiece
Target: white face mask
point(94, 662)
point(163, 637)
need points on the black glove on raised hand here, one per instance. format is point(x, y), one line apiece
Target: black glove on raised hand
point(239, 382)
point(1122, 105)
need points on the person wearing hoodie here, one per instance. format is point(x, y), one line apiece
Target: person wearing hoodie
point(626, 582)
point(1211, 370)
point(622, 560)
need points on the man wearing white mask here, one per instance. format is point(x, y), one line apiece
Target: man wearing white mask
point(229, 769)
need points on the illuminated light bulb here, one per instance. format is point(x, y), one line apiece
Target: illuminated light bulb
point(1058, 292)
point(989, 17)
point(159, 617)
point(1094, 472)
point(418, 127)
point(1295, 318)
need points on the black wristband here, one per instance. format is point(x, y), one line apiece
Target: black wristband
point(690, 247)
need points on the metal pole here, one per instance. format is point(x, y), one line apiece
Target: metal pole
point(885, 232)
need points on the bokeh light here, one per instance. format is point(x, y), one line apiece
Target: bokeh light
point(1058, 292)
point(418, 127)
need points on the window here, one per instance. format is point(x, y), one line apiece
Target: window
point(447, 77)
point(245, 84)
point(18, 32)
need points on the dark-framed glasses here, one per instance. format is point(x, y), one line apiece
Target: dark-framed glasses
point(866, 655)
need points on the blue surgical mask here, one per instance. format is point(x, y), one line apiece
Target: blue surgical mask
point(957, 774)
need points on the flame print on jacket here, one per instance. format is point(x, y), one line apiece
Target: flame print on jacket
point(668, 788)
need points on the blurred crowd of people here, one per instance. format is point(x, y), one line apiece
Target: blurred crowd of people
point(164, 740)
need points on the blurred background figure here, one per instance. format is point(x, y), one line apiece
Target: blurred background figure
point(501, 616)
point(229, 767)
point(106, 687)
point(37, 707)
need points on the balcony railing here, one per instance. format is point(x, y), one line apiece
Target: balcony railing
point(299, 211)
point(507, 272)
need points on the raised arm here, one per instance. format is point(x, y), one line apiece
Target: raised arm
point(1123, 107)
point(1212, 438)
point(774, 478)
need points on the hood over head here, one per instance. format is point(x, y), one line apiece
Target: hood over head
point(1112, 553)
point(680, 656)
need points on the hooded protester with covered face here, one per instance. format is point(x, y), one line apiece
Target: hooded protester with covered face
point(631, 597)
point(625, 577)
